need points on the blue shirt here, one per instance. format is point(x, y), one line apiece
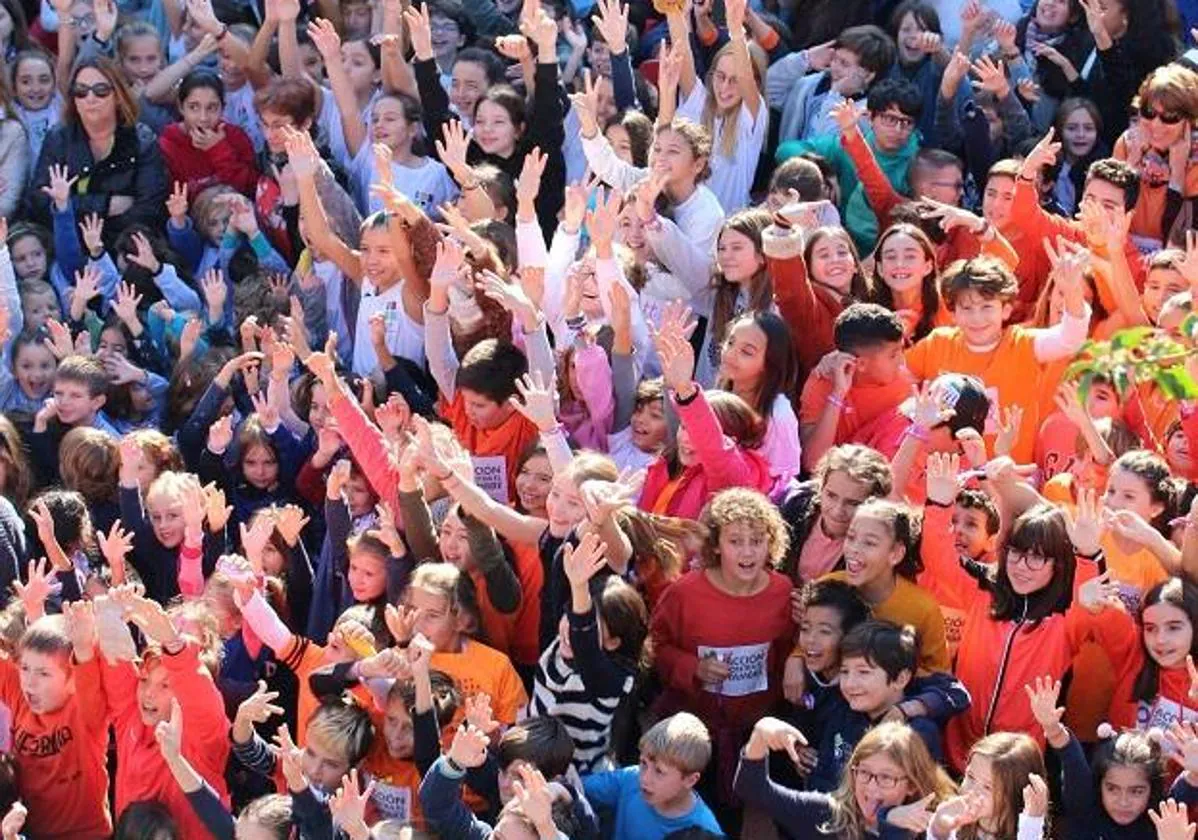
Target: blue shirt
point(636, 818)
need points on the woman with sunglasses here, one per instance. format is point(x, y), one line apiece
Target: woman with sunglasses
point(1158, 147)
point(1027, 617)
point(113, 161)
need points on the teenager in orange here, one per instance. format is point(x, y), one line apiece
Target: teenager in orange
point(980, 294)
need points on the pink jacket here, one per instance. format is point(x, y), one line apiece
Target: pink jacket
point(588, 419)
point(368, 448)
point(719, 464)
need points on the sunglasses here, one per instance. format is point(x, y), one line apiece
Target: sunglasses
point(1147, 112)
point(101, 90)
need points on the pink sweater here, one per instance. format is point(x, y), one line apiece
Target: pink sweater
point(588, 419)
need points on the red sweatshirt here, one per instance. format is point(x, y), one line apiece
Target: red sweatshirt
point(756, 633)
point(61, 757)
point(141, 773)
point(231, 161)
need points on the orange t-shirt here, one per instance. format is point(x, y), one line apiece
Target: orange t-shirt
point(61, 757)
point(396, 785)
point(1010, 372)
point(862, 404)
point(496, 452)
point(479, 669)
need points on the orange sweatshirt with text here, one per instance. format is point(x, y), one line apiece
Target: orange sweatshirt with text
point(61, 757)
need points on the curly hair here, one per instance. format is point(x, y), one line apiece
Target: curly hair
point(739, 504)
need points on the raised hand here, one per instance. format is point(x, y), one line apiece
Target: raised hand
point(452, 149)
point(290, 760)
point(328, 42)
point(773, 735)
point(176, 204)
point(37, 588)
point(115, 546)
point(1010, 419)
point(126, 303)
point(604, 498)
point(87, 287)
point(302, 157)
point(536, 401)
point(529, 183)
point(469, 747)
point(914, 817)
point(81, 627)
point(1099, 593)
point(1042, 694)
point(258, 708)
point(930, 408)
point(1042, 155)
point(511, 297)
point(1171, 819)
point(955, 813)
point(584, 562)
point(603, 222)
point(611, 20)
point(216, 511)
point(92, 229)
point(1086, 526)
point(59, 342)
point(1035, 796)
point(14, 821)
point(220, 435)
point(420, 30)
point(479, 714)
point(393, 416)
point(290, 523)
point(143, 254)
point(1005, 34)
point(942, 471)
point(954, 73)
point(848, 114)
point(60, 185)
point(169, 733)
point(348, 805)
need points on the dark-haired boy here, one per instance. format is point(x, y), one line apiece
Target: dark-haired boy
point(980, 294)
point(862, 380)
point(475, 390)
point(893, 107)
point(878, 665)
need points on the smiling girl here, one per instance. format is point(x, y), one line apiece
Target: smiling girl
point(757, 364)
point(1079, 125)
point(881, 560)
point(36, 97)
point(202, 149)
point(722, 632)
point(905, 279)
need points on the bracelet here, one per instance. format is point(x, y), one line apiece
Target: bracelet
point(576, 322)
point(687, 400)
point(835, 400)
point(918, 432)
point(453, 765)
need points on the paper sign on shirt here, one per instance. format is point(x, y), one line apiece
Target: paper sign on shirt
point(394, 803)
point(746, 668)
point(490, 474)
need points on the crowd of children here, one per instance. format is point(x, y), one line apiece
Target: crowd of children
point(534, 419)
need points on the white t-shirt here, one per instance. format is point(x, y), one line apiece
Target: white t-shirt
point(240, 111)
point(731, 177)
point(405, 338)
point(428, 185)
point(781, 444)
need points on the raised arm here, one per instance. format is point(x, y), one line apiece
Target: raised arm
point(305, 161)
point(743, 62)
point(328, 43)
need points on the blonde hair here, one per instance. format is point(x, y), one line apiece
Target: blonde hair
point(681, 740)
point(758, 61)
point(740, 504)
point(168, 487)
point(907, 750)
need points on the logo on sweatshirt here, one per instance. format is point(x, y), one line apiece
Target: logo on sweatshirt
point(44, 745)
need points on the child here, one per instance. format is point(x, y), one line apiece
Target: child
point(715, 443)
point(591, 667)
point(818, 512)
point(80, 391)
point(1127, 772)
point(37, 100)
point(889, 777)
point(757, 364)
point(881, 559)
point(729, 104)
point(202, 150)
point(729, 670)
point(1003, 790)
point(1079, 124)
point(657, 798)
point(858, 56)
point(859, 386)
point(978, 293)
point(140, 699)
point(905, 279)
point(878, 663)
point(1034, 581)
point(60, 740)
point(395, 122)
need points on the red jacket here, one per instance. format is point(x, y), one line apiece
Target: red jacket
point(141, 773)
point(719, 464)
point(230, 161)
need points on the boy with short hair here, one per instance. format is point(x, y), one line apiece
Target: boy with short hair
point(893, 107)
point(844, 70)
point(60, 725)
point(476, 389)
point(80, 391)
point(862, 380)
point(657, 797)
point(339, 735)
point(980, 294)
point(39, 303)
point(878, 665)
point(972, 523)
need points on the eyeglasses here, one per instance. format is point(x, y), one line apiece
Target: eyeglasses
point(100, 90)
point(895, 121)
point(1147, 112)
point(1034, 562)
point(884, 781)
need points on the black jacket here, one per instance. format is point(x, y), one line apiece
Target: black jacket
point(134, 168)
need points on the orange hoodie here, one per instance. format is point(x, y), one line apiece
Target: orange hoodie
point(141, 772)
point(61, 757)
